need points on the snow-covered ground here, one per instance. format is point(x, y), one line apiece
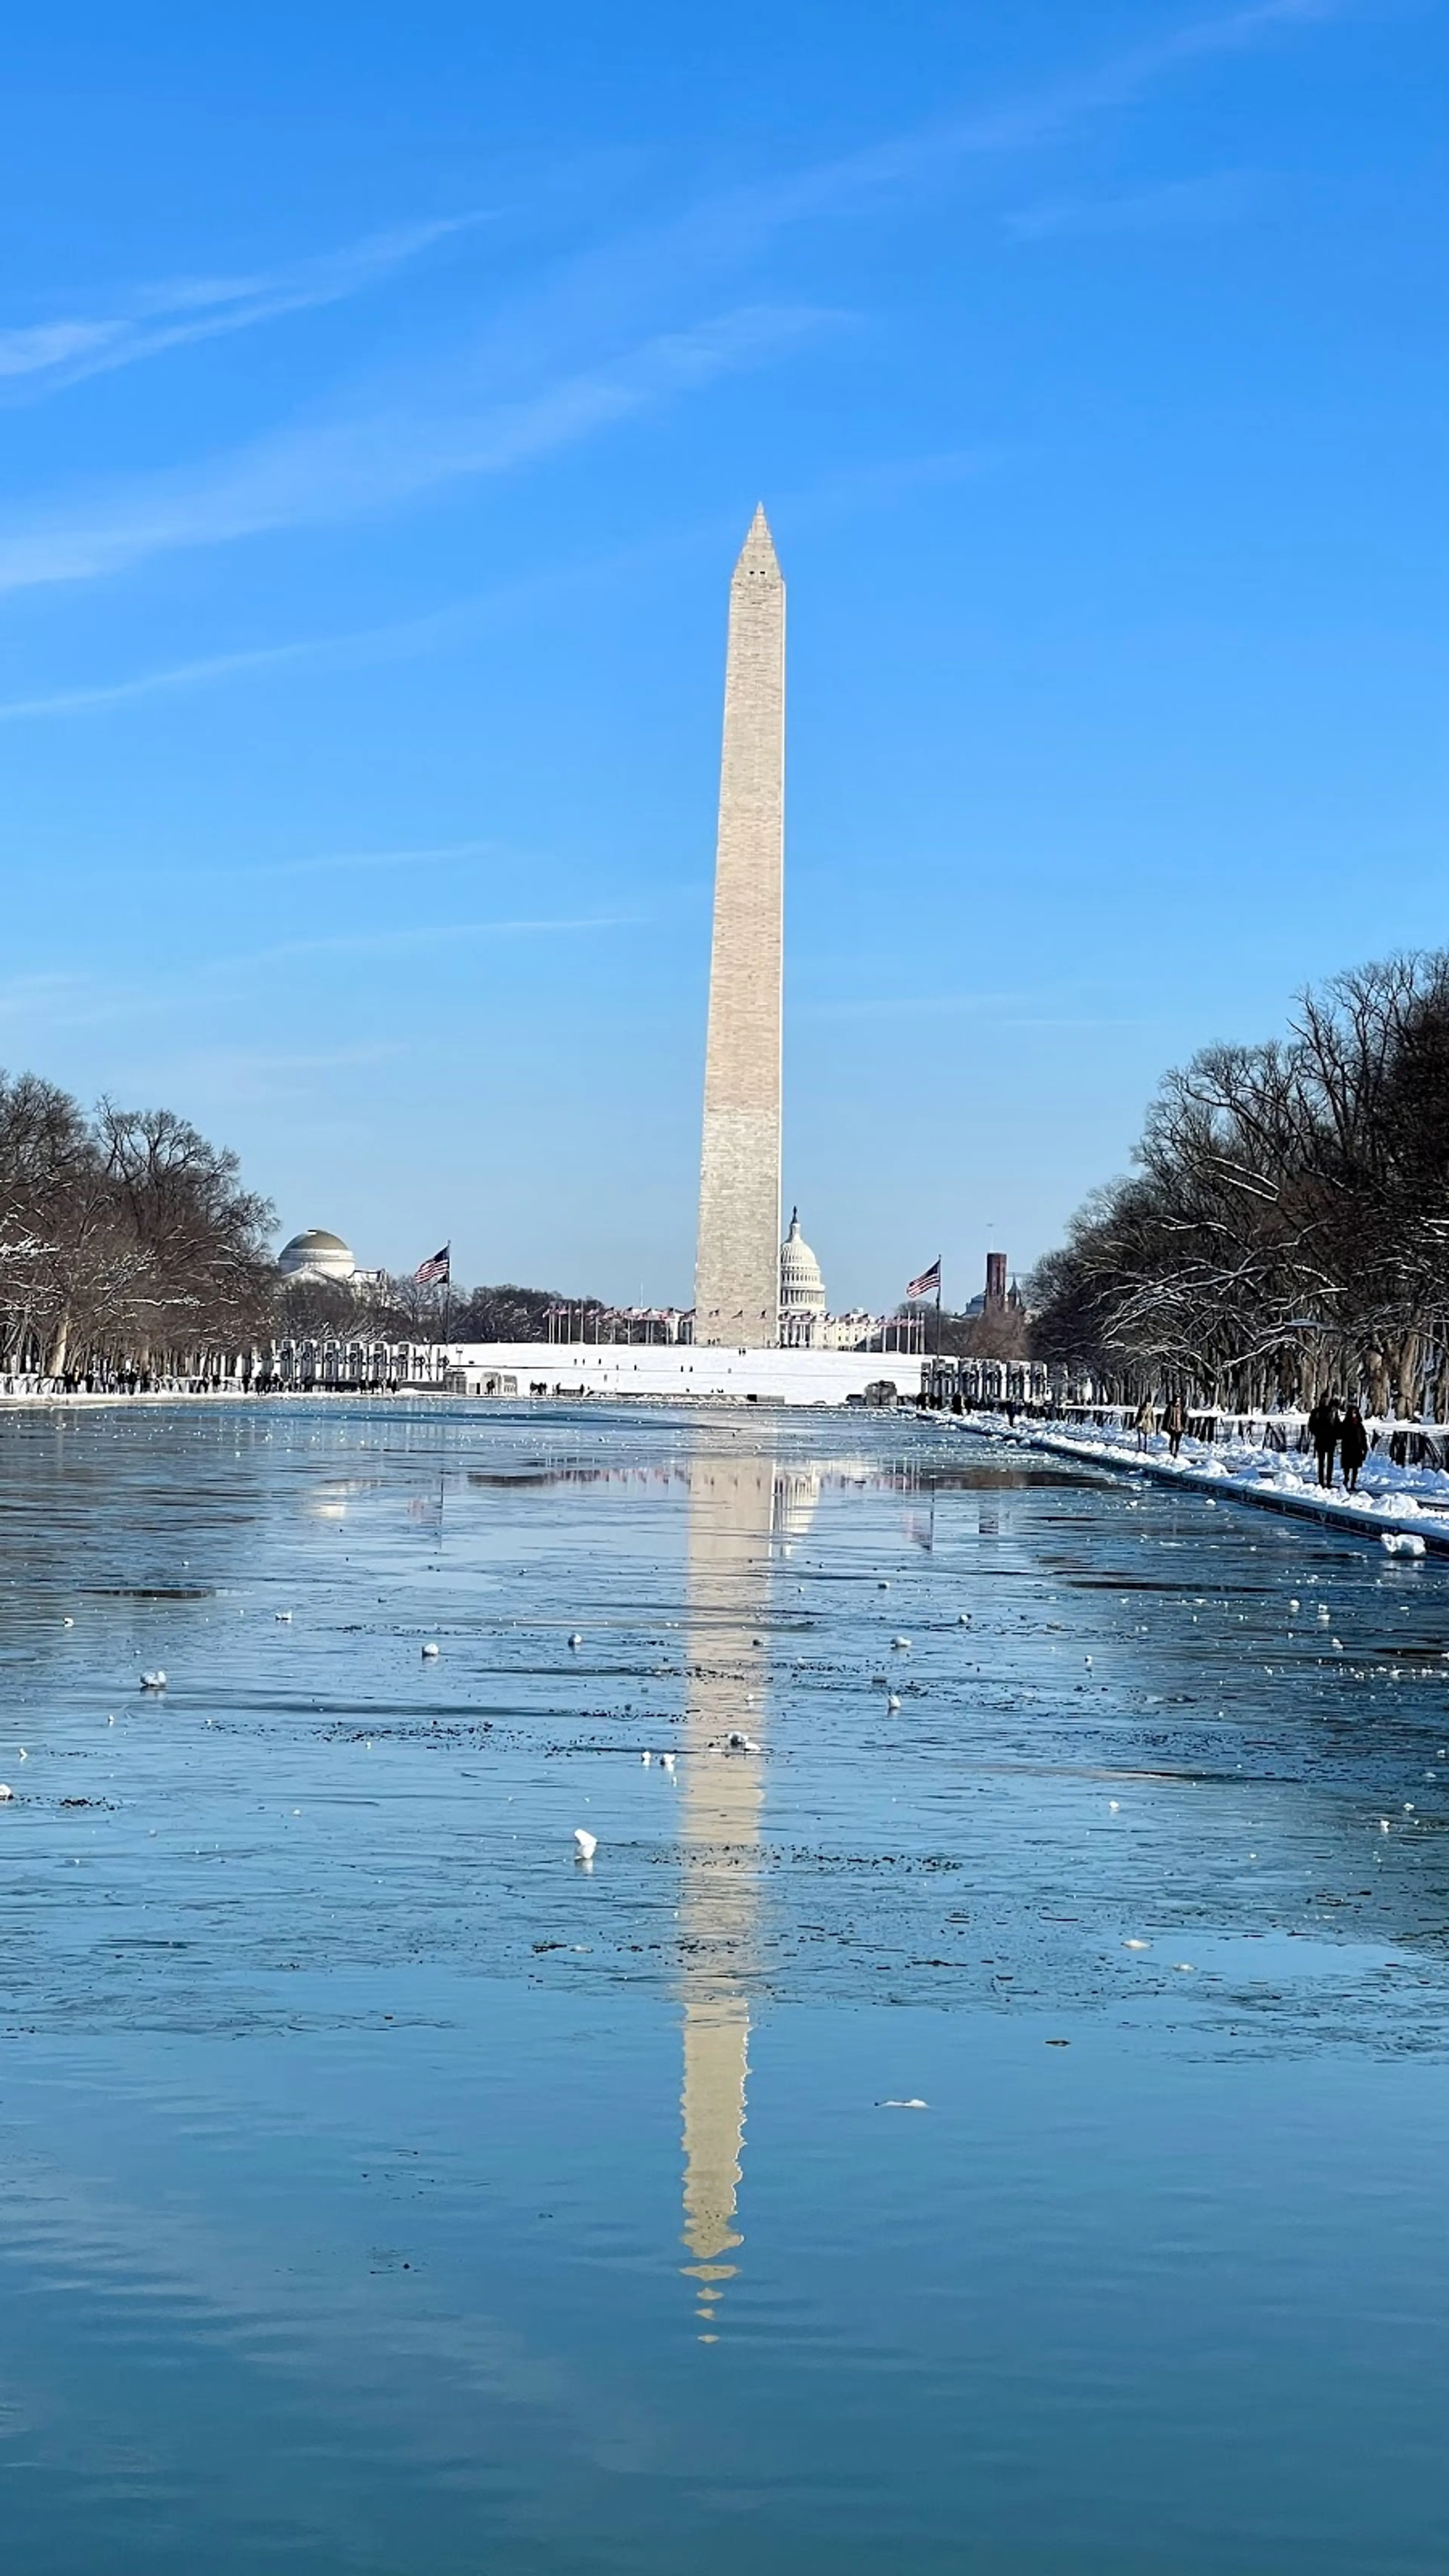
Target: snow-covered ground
point(1405, 1507)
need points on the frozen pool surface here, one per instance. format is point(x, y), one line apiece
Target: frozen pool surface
point(387, 2190)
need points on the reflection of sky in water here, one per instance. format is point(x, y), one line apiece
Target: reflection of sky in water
point(351, 2132)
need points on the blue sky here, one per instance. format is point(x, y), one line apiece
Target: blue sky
point(384, 396)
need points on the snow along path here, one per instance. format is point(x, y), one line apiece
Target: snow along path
point(1409, 1504)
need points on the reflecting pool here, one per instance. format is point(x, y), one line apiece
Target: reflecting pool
point(983, 2106)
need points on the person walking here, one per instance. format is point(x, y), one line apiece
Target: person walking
point(1146, 1422)
point(1174, 1423)
point(1323, 1431)
point(1353, 1446)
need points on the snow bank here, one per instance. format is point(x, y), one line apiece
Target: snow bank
point(1388, 1496)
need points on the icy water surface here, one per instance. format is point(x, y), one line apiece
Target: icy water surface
point(387, 2191)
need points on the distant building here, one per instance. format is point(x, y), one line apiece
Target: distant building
point(806, 1326)
point(999, 1299)
point(317, 1259)
point(584, 1320)
point(856, 1331)
point(802, 1293)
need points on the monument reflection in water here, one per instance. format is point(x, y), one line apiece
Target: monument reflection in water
point(738, 1509)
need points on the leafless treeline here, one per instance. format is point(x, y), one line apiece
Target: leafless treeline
point(128, 1248)
point(392, 1309)
point(1287, 1228)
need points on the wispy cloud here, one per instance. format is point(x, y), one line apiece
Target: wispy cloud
point(152, 684)
point(84, 999)
point(356, 643)
point(1014, 127)
point(1177, 206)
point(1069, 1006)
point(334, 470)
point(258, 1076)
point(852, 489)
point(729, 227)
point(396, 636)
point(344, 862)
point(42, 357)
point(856, 487)
point(417, 935)
point(147, 320)
point(39, 995)
point(911, 1006)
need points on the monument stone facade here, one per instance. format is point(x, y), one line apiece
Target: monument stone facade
point(737, 1265)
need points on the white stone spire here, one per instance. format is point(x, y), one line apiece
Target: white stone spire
point(737, 1279)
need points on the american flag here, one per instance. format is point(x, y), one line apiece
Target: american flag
point(929, 1282)
point(439, 1268)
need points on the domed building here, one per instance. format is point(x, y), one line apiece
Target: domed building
point(802, 1293)
point(318, 1259)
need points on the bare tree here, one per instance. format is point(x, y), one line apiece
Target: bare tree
point(126, 1241)
point(1288, 1223)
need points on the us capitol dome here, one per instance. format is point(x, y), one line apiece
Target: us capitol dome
point(318, 1258)
point(802, 1292)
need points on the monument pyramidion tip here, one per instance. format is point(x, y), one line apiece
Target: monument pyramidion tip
point(757, 554)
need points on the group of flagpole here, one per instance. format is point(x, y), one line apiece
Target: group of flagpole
point(437, 1271)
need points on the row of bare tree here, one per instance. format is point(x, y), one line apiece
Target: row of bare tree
point(128, 1247)
point(1002, 1333)
point(392, 1309)
point(1286, 1230)
point(131, 1253)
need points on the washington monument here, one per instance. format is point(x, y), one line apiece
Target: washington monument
point(737, 1263)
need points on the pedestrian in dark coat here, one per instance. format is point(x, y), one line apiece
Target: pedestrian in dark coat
point(1323, 1431)
point(1174, 1423)
point(1353, 1444)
